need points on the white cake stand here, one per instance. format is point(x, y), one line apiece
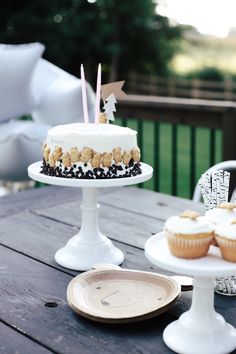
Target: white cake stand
point(89, 246)
point(201, 329)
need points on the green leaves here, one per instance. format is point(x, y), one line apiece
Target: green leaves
point(123, 35)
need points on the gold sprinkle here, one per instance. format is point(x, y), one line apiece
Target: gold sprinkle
point(189, 214)
point(228, 206)
point(233, 222)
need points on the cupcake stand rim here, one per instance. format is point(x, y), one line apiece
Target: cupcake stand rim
point(200, 329)
point(89, 246)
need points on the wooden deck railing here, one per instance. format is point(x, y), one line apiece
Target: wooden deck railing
point(194, 113)
point(182, 87)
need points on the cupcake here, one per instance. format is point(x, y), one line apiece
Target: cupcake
point(224, 212)
point(225, 235)
point(189, 235)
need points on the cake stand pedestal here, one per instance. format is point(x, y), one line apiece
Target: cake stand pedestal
point(201, 329)
point(89, 246)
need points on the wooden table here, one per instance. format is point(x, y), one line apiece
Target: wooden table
point(34, 314)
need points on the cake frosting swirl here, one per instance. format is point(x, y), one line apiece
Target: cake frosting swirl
point(91, 151)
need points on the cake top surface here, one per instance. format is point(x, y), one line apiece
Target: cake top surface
point(227, 230)
point(90, 129)
point(99, 137)
point(184, 224)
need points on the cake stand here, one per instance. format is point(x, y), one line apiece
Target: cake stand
point(201, 329)
point(89, 246)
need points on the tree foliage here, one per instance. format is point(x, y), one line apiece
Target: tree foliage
point(124, 35)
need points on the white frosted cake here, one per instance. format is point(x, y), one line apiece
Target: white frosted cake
point(91, 151)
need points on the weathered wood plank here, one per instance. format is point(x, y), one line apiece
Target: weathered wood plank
point(145, 202)
point(118, 224)
point(121, 221)
point(47, 196)
point(14, 342)
point(26, 289)
point(40, 237)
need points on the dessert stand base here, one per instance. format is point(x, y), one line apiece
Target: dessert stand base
point(89, 246)
point(80, 256)
point(201, 329)
point(217, 342)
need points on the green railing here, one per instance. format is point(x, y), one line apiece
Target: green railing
point(180, 138)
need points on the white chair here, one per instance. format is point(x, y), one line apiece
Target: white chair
point(224, 285)
point(225, 165)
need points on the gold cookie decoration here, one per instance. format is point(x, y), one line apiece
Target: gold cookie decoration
point(107, 159)
point(96, 160)
point(51, 161)
point(57, 153)
point(86, 155)
point(74, 155)
point(46, 153)
point(117, 154)
point(228, 206)
point(127, 157)
point(66, 159)
point(135, 152)
point(189, 214)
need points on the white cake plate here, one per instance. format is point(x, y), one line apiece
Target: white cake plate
point(201, 329)
point(89, 246)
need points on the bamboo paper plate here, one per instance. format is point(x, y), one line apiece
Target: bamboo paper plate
point(118, 296)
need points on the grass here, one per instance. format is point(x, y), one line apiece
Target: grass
point(183, 154)
point(206, 51)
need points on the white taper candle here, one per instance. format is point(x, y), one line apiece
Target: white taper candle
point(98, 95)
point(84, 95)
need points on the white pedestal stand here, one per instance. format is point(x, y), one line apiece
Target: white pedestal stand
point(89, 246)
point(201, 329)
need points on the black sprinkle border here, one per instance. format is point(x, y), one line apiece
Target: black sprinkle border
point(96, 173)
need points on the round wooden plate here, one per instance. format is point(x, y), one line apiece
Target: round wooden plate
point(119, 296)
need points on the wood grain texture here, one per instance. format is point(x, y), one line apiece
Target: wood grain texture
point(157, 205)
point(116, 223)
point(27, 288)
point(47, 196)
point(33, 225)
point(39, 238)
point(14, 342)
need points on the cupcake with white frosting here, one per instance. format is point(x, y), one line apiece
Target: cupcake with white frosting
point(225, 235)
point(224, 212)
point(189, 235)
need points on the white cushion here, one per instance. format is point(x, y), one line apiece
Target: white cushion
point(17, 64)
point(20, 145)
point(60, 96)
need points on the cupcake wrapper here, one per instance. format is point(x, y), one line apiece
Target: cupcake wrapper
point(228, 248)
point(182, 246)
